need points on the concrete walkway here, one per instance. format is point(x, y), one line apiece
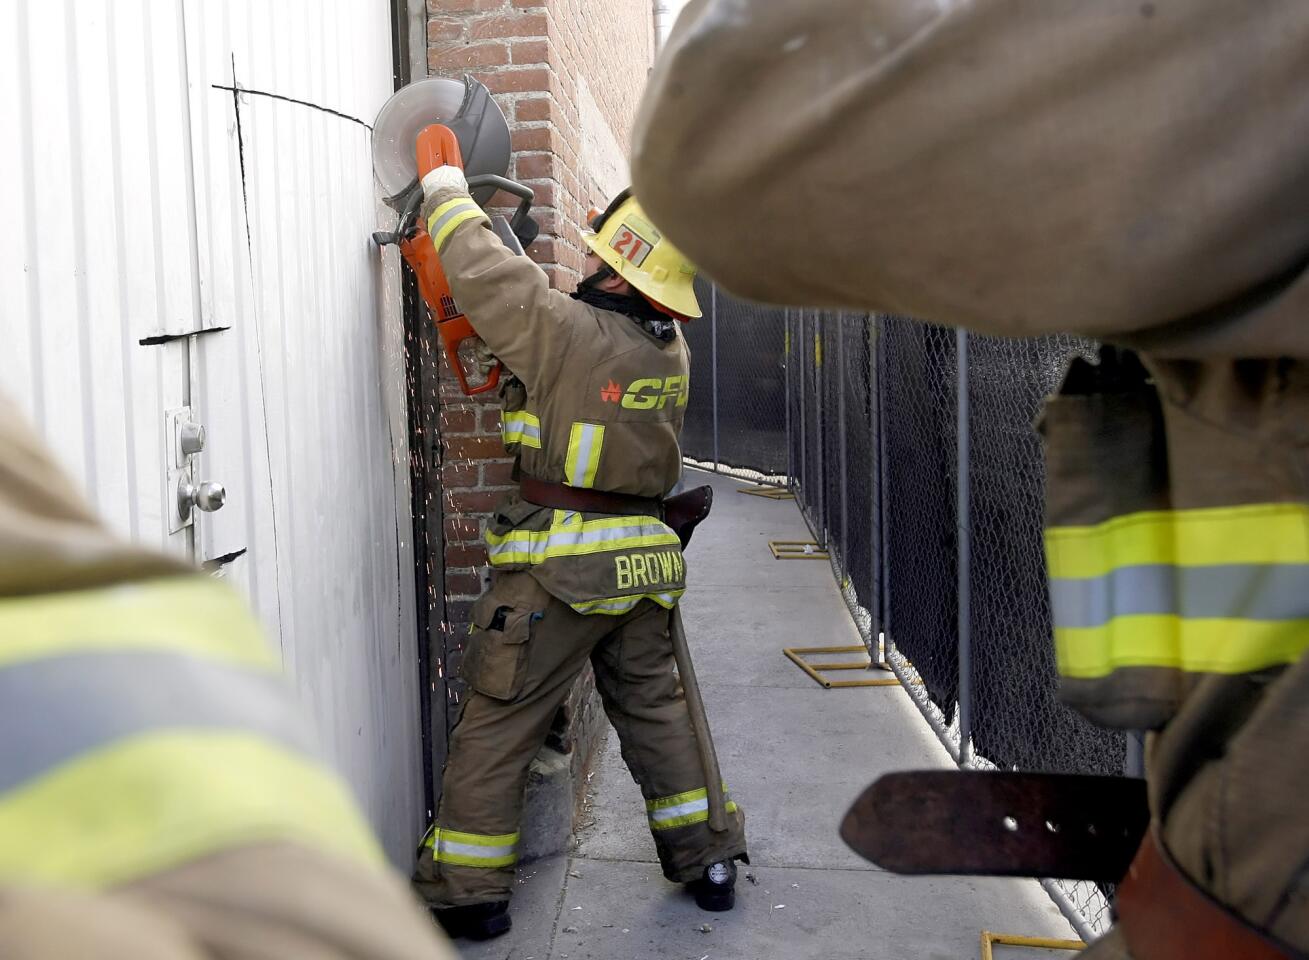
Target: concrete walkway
point(795, 756)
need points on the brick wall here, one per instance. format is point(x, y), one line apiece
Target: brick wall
point(568, 75)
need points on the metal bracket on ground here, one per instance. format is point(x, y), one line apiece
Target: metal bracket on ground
point(989, 939)
point(797, 550)
point(768, 493)
point(794, 654)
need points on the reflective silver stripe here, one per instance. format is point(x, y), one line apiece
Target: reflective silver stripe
point(579, 456)
point(1268, 592)
point(681, 810)
point(474, 850)
point(522, 427)
point(538, 547)
point(57, 708)
point(435, 227)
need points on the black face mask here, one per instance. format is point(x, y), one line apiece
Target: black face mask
point(634, 306)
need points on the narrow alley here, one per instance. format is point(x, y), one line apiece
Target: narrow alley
point(795, 756)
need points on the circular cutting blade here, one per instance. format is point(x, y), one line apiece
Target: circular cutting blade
point(467, 108)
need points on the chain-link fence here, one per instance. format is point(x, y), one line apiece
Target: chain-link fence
point(912, 452)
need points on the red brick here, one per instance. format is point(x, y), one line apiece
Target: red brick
point(544, 191)
point(542, 249)
point(538, 108)
point(459, 476)
point(463, 584)
point(530, 139)
point(462, 529)
point(529, 80)
point(536, 166)
point(474, 447)
point(471, 501)
point(463, 6)
point(508, 25)
point(530, 51)
point(498, 473)
point(468, 56)
point(491, 420)
point(458, 421)
point(465, 555)
point(458, 614)
point(441, 30)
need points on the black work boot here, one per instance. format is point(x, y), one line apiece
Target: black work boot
point(476, 921)
point(716, 890)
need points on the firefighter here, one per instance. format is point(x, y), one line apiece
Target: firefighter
point(584, 567)
point(160, 795)
point(1132, 171)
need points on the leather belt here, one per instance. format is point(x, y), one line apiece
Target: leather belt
point(560, 496)
point(1164, 916)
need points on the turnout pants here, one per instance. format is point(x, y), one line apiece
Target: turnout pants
point(525, 651)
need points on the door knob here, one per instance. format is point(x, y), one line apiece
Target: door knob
point(207, 496)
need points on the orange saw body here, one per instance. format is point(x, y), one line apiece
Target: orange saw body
point(437, 147)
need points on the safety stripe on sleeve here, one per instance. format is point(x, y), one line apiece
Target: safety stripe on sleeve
point(682, 809)
point(522, 428)
point(487, 851)
point(585, 442)
point(1254, 534)
point(1215, 590)
point(451, 214)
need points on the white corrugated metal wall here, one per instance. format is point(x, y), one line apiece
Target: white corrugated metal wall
point(178, 166)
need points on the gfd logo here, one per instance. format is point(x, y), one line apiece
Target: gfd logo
point(648, 393)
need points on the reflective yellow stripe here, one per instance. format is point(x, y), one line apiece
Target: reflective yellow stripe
point(1196, 646)
point(449, 215)
point(188, 614)
point(472, 849)
point(570, 536)
point(154, 801)
point(585, 441)
point(1259, 534)
point(682, 809)
point(1219, 590)
point(523, 428)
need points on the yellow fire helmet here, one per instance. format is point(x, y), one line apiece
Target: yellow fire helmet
point(637, 251)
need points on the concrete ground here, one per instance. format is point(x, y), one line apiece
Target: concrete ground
point(794, 756)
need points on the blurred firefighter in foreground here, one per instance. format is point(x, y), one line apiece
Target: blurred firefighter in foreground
point(1133, 171)
point(587, 559)
point(160, 795)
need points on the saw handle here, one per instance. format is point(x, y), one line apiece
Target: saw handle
point(437, 146)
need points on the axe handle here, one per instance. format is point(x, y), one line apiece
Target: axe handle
point(699, 723)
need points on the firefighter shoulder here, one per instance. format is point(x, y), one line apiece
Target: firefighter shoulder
point(1029, 168)
point(160, 795)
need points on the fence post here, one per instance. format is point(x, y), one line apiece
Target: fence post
point(883, 535)
point(844, 478)
point(820, 392)
point(799, 348)
point(1134, 762)
point(786, 392)
point(713, 353)
point(963, 528)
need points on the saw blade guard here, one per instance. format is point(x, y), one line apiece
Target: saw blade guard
point(465, 107)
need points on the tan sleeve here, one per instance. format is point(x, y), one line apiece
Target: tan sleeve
point(280, 900)
point(49, 537)
point(1129, 168)
point(506, 297)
